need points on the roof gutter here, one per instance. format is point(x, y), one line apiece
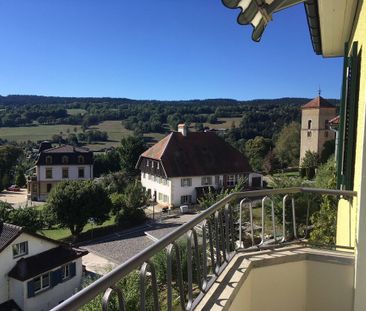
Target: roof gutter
point(312, 13)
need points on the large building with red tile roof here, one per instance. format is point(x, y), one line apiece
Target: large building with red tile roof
point(315, 130)
point(180, 166)
point(55, 164)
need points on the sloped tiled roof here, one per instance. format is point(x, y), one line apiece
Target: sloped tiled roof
point(318, 102)
point(8, 233)
point(334, 121)
point(66, 149)
point(197, 154)
point(29, 267)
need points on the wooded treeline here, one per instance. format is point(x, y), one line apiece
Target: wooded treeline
point(260, 117)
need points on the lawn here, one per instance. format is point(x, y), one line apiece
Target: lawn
point(35, 133)
point(65, 234)
point(114, 128)
point(75, 111)
point(224, 123)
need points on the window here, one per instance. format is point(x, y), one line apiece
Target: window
point(149, 176)
point(81, 172)
point(157, 165)
point(147, 162)
point(49, 172)
point(186, 182)
point(326, 134)
point(160, 196)
point(230, 180)
point(309, 133)
point(152, 164)
point(65, 160)
point(20, 249)
point(81, 159)
point(65, 172)
point(165, 198)
point(143, 175)
point(48, 160)
point(217, 180)
point(41, 283)
point(65, 272)
point(164, 181)
point(185, 199)
point(206, 180)
point(309, 124)
point(49, 187)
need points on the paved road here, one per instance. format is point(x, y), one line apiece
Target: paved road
point(119, 247)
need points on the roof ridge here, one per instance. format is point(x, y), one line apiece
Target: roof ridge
point(13, 226)
point(167, 143)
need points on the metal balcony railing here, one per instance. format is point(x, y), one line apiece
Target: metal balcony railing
point(212, 239)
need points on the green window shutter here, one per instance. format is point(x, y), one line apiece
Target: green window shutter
point(348, 121)
point(72, 269)
point(30, 286)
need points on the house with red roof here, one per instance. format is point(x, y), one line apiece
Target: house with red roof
point(55, 164)
point(36, 273)
point(181, 166)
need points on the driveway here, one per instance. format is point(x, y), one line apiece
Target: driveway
point(119, 247)
point(16, 199)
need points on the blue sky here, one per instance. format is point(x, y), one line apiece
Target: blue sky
point(161, 49)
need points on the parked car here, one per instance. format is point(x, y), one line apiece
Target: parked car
point(14, 188)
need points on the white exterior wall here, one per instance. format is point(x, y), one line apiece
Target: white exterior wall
point(174, 190)
point(7, 262)
point(51, 297)
point(178, 190)
point(57, 172)
point(158, 187)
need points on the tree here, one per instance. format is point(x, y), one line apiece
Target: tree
point(130, 150)
point(325, 220)
point(73, 202)
point(309, 163)
point(328, 151)
point(270, 162)
point(256, 149)
point(27, 217)
point(288, 145)
point(20, 178)
point(106, 163)
point(128, 206)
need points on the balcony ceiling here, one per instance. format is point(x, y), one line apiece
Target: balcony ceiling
point(336, 18)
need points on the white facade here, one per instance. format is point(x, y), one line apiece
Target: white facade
point(73, 172)
point(184, 192)
point(11, 288)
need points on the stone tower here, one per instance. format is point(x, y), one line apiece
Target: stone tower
point(315, 131)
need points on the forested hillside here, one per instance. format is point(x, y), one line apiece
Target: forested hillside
point(264, 117)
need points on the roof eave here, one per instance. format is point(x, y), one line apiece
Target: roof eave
point(312, 14)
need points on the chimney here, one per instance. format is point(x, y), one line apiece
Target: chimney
point(183, 129)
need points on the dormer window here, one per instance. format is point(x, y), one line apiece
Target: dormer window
point(20, 249)
point(81, 159)
point(48, 160)
point(65, 160)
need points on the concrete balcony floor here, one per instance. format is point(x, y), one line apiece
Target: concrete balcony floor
point(293, 278)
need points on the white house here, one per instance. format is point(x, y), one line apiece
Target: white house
point(53, 165)
point(36, 273)
point(177, 169)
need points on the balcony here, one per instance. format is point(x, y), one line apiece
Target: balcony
point(249, 251)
